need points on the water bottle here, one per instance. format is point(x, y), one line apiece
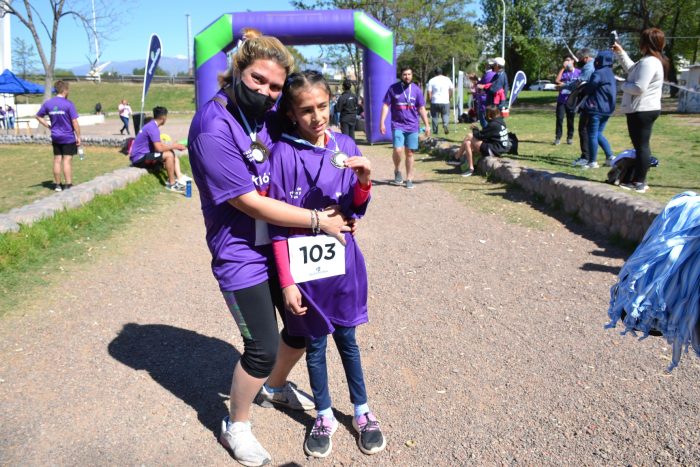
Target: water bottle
point(188, 189)
point(81, 153)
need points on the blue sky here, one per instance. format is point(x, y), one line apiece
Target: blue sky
point(167, 19)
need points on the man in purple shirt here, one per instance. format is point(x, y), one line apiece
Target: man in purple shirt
point(65, 133)
point(148, 151)
point(406, 101)
point(567, 74)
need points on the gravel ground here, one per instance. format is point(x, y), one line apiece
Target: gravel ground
point(486, 346)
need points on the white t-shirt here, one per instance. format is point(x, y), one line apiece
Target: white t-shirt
point(124, 110)
point(439, 87)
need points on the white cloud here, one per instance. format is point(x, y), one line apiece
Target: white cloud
point(181, 57)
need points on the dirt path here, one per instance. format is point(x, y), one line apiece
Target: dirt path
point(486, 346)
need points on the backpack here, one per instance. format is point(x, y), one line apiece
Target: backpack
point(513, 139)
point(126, 146)
point(575, 99)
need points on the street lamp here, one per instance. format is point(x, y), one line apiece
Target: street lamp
point(503, 33)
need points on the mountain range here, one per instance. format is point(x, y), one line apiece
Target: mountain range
point(171, 65)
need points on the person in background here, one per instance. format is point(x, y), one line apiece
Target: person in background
point(440, 89)
point(481, 92)
point(149, 151)
point(347, 107)
point(2, 117)
point(124, 114)
point(567, 74)
point(65, 133)
point(10, 117)
point(641, 98)
point(599, 104)
point(490, 141)
point(405, 99)
point(586, 57)
point(497, 88)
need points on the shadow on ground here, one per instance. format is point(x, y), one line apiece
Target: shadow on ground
point(193, 367)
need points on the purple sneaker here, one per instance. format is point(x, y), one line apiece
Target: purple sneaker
point(319, 443)
point(371, 439)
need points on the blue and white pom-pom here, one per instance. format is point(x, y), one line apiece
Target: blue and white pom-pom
point(659, 285)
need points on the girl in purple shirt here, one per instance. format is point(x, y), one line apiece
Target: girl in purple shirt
point(324, 284)
point(229, 142)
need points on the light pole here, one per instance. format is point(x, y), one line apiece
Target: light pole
point(503, 33)
point(189, 41)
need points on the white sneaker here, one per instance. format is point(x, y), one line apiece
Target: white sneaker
point(591, 165)
point(580, 162)
point(609, 162)
point(239, 439)
point(289, 397)
point(184, 179)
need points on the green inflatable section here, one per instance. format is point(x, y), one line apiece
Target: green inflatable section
point(213, 39)
point(374, 36)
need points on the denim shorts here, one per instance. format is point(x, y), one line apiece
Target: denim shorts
point(408, 139)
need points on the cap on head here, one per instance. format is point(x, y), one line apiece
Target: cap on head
point(499, 61)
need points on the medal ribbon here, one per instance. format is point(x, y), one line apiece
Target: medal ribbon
point(303, 142)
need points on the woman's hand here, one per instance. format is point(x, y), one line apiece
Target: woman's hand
point(617, 48)
point(292, 300)
point(332, 223)
point(362, 168)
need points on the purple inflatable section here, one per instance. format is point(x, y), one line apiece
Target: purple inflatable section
point(308, 28)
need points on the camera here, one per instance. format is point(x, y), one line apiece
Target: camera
point(613, 38)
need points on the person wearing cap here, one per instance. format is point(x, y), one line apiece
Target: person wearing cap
point(497, 89)
point(405, 99)
point(440, 89)
point(347, 108)
point(586, 57)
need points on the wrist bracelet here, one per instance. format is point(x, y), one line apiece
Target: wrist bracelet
point(318, 223)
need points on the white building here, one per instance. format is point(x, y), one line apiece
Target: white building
point(689, 96)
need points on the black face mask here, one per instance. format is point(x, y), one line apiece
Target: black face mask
point(252, 103)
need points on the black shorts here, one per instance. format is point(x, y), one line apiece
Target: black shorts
point(70, 149)
point(487, 149)
point(149, 160)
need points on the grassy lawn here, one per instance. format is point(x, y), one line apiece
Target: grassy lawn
point(84, 94)
point(27, 173)
point(675, 142)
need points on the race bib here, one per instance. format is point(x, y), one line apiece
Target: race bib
point(262, 236)
point(318, 257)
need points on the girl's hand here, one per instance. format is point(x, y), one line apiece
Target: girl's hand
point(333, 223)
point(361, 166)
point(617, 48)
point(292, 300)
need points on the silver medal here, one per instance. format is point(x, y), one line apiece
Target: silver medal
point(258, 152)
point(338, 160)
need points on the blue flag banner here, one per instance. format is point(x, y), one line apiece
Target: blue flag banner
point(518, 84)
point(155, 51)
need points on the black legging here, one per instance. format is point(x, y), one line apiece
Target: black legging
point(639, 125)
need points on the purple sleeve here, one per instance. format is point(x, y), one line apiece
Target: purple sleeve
point(420, 100)
point(42, 111)
point(387, 96)
point(277, 189)
point(222, 168)
point(72, 112)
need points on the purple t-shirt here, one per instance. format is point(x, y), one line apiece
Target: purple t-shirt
point(61, 113)
point(404, 103)
point(143, 143)
point(567, 77)
point(303, 176)
point(223, 169)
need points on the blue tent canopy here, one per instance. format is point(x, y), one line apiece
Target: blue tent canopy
point(11, 84)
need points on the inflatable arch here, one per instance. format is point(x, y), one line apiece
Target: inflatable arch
point(303, 28)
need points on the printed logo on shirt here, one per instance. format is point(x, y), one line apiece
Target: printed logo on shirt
point(295, 194)
point(56, 111)
point(261, 180)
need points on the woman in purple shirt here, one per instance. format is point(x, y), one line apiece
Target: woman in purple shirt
point(229, 142)
point(567, 74)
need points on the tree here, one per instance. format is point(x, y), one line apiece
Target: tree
point(29, 15)
point(158, 71)
point(23, 57)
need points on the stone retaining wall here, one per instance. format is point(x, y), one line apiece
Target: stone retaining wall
point(605, 208)
point(111, 141)
point(68, 199)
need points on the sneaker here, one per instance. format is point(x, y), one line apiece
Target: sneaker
point(447, 131)
point(454, 162)
point(371, 439)
point(591, 165)
point(569, 141)
point(638, 187)
point(239, 439)
point(409, 184)
point(468, 173)
point(318, 443)
point(288, 397)
point(57, 187)
point(67, 186)
point(184, 179)
point(398, 179)
point(609, 162)
point(556, 142)
point(175, 187)
point(580, 162)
